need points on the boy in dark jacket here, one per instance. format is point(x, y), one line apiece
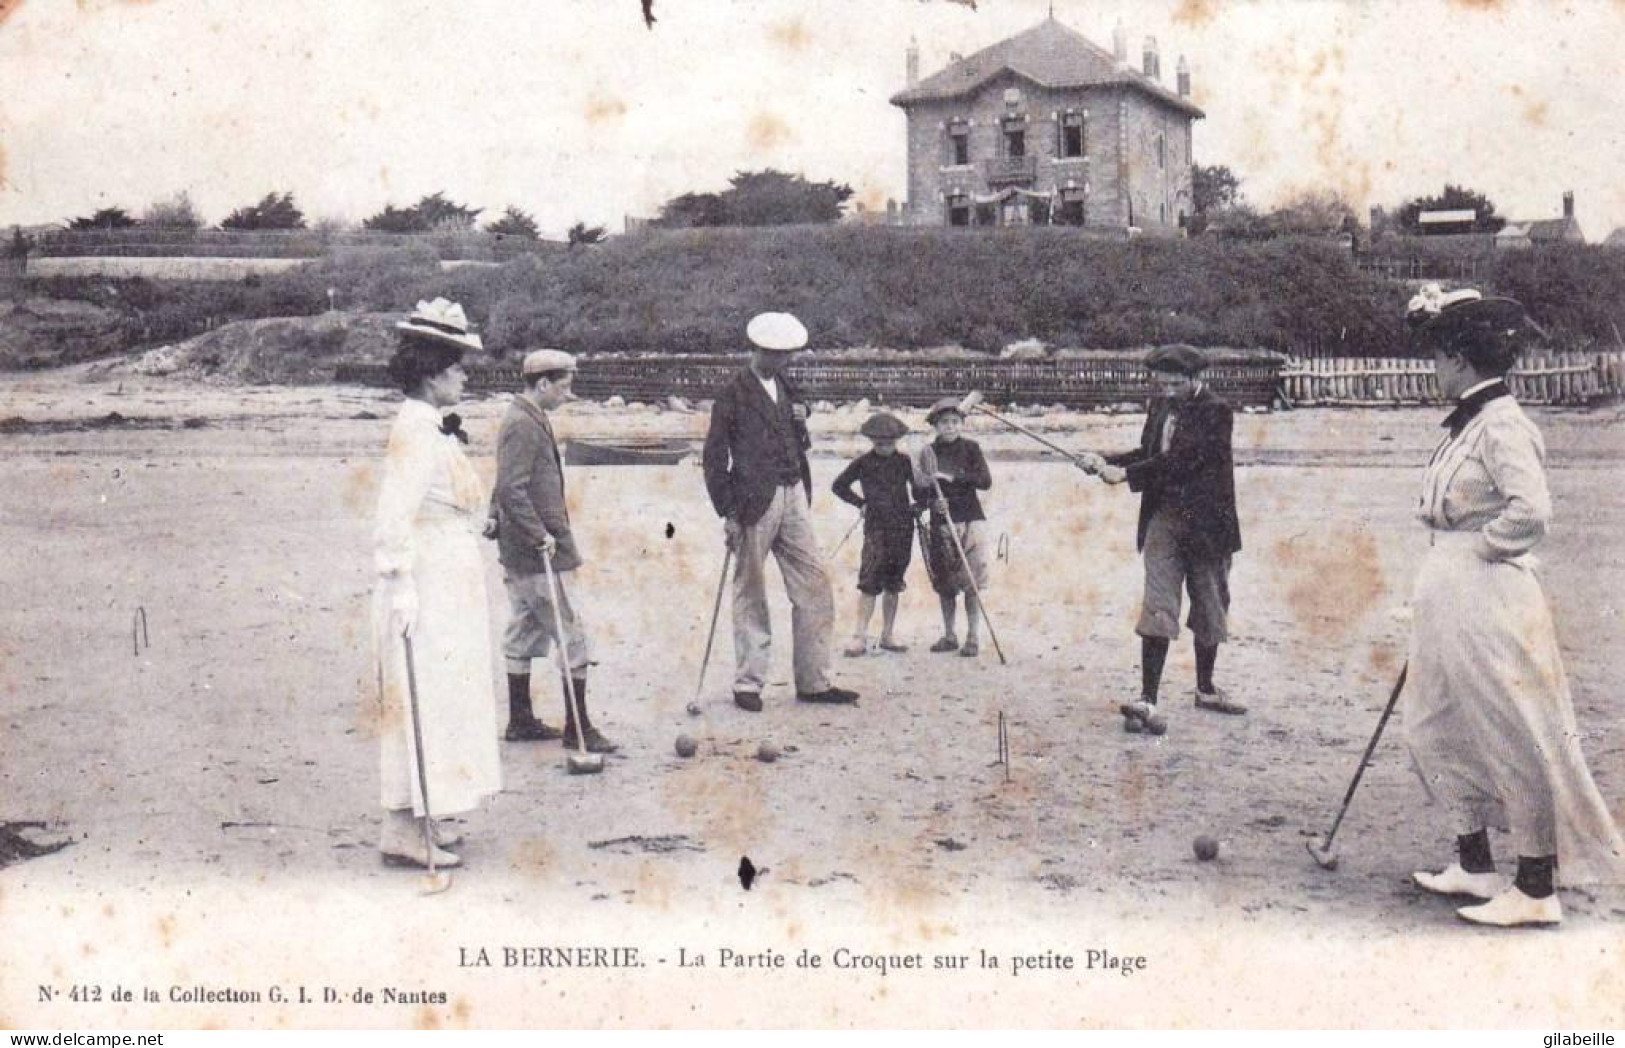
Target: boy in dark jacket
point(888, 527)
point(1188, 530)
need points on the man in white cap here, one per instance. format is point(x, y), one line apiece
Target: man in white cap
point(533, 518)
point(760, 484)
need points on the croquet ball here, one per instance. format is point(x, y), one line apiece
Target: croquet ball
point(686, 747)
point(1205, 847)
point(1156, 725)
point(693, 709)
point(767, 753)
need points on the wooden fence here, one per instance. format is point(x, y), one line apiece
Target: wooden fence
point(1541, 378)
point(1075, 382)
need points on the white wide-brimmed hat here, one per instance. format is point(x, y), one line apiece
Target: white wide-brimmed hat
point(777, 332)
point(441, 319)
point(541, 361)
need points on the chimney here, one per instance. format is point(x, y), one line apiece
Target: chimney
point(1568, 204)
point(1379, 218)
point(1120, 43)
point(1184, 78)
point(1153, 64)
point(913, 61)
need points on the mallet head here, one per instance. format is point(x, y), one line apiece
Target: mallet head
point(1325, 858)
point(584, 763)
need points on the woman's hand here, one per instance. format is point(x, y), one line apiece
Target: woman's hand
point(1113, 474)
point(403, 607)
point(549, 545)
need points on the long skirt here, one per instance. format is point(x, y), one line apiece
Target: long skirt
point(455, 669)
point(1489, 720)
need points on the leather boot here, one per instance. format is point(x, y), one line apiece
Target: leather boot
point(596, 743)
point(522, 724)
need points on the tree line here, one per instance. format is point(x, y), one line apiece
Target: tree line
point(1221, 208)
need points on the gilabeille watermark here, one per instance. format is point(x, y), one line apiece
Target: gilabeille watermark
point(1554, 1040)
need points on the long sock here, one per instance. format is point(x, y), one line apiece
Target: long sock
point(888, 611)
point(948, 612)
point(1153, 653)
point(1206, 656)
point(1535, 875)
point(519, 697)
point(1474, 852)
point(580, 685)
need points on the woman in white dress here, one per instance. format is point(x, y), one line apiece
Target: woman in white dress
point(1489, 720)
point(431, 588)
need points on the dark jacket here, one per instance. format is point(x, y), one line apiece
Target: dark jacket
point(1195, 477)
point(528, 497)
point(961, 459)
point(886, 481)
point(753, 446)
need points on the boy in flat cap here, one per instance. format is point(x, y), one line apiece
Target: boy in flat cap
point(528, 502)
point(884, 474)
point(757, 475)
point(961, 471)
point(1188, 529)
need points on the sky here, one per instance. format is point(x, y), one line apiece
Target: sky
point(575, 111)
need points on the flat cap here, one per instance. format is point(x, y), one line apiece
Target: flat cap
point(541, 361)
point(777, 332)
point(1178, 357)
point(883, 425)
point(943, 405)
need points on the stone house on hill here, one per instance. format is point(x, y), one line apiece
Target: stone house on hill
point(1047, 127)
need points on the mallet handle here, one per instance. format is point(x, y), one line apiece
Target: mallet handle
point(1023, 429)
point(1359, 773)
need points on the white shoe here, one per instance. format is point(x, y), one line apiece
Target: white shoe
point(1513, 908)
point(1453, 880)
point(401, 844)
point(447, 834)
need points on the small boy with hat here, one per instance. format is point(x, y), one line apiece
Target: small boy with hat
point(961, 471)
point(888, 527)
point(533, 520)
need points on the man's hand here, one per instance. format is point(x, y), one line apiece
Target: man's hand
point(732, 532)
point(1113, 474)
point(549, 545)
point(1089, 462)
point(941, 506)
point(799, 411)
point(491, 527)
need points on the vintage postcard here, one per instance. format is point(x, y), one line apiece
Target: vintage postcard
point(1053, 513)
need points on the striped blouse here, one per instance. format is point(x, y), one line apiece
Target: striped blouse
point(1490, 478)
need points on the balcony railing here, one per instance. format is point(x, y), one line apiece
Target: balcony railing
point(1007, 169)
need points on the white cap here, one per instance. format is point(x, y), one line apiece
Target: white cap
point(544, 360)
point(779, 332)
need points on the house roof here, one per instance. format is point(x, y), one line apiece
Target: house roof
point(1050, 55)
point(1616, 238)
point(1545, 230)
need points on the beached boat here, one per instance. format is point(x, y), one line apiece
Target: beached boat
point(626, 451)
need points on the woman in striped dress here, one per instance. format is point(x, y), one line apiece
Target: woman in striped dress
point(1490, 723)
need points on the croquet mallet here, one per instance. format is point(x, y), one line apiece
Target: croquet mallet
point(1322, 853)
